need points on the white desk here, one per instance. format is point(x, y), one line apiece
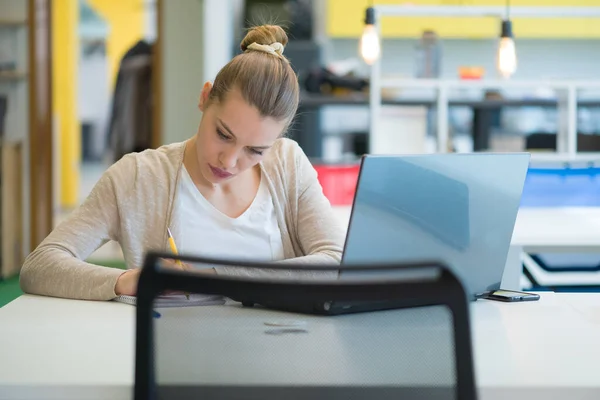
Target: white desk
point(54, 348)
point(565, 229)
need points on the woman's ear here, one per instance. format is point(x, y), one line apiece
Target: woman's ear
point(203, 103)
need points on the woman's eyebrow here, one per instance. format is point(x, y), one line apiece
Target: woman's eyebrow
point(226, 127)
point(232, 134)
point(260, 147)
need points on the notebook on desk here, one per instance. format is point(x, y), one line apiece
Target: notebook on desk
point(177, 300)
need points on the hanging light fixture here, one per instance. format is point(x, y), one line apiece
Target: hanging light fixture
point(507, 55)
point(369, 41)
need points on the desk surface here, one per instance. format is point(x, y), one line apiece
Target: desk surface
point(541, 229)
point(85, 350)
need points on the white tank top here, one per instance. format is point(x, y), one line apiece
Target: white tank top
point(206, 231)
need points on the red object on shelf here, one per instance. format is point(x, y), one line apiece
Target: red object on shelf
point(338, 182)
point(471, 73)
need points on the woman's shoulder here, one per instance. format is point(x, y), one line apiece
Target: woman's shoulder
point(285, 156)
point(284, 144)
point(157, 167)
point(164, 159)
point(170, 155)
point(288, 166)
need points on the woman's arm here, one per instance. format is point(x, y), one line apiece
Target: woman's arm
point(320, 233)
point(56, 267)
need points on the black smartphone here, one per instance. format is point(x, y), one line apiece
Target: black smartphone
point(510, 296)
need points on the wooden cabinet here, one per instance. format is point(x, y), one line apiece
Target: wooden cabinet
point(345, 19)
point(25, 134)
point(11, 216)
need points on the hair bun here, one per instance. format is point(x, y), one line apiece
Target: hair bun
point(266, 35)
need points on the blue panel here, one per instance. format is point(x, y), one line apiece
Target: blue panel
point(562, 187)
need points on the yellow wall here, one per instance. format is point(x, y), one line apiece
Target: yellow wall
point(345, 18)
point(65, 50)
point(126, 23)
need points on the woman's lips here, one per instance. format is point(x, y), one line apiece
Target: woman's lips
point(219, 173)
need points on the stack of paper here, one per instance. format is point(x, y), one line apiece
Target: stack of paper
point(178, 300)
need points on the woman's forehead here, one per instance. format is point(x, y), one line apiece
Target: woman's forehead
point(244, 121)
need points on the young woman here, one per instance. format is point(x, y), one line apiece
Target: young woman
point(236, 190)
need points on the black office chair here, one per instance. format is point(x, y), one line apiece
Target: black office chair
point(164, 344)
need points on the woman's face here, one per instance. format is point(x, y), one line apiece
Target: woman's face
point(233, 137)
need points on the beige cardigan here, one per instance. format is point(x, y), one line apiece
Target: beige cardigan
point(133, 202)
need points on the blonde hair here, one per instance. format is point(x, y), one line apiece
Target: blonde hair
point(262, 74)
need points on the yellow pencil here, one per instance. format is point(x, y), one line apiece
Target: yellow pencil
point(174, 250)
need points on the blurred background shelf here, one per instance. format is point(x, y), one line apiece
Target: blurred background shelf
point(12, 22)
point(12, 75)
point(360, 99)
point(483, 115)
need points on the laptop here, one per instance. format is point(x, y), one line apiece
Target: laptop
point(459, 208)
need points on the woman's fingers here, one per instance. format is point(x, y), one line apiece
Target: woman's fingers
point(175, 264)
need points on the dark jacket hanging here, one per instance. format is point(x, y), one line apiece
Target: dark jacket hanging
point(130, 123)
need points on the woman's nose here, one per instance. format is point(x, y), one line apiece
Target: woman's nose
point(229, 159)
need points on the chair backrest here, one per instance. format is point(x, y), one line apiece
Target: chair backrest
point(421, 351)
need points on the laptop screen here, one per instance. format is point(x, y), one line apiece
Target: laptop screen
point(457, 208)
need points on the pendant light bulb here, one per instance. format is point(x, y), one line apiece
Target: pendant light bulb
point(370, 47)
point(507, 54)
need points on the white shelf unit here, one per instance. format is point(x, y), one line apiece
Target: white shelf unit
point(566, 91)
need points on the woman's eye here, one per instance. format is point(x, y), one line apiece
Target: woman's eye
point(222, 135)
point(257, 152)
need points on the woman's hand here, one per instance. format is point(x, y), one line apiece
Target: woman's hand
point(186, 267)
point(175, 264)
point(128, 281)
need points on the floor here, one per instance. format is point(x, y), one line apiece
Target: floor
point(9, 290)
point(109, 255)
